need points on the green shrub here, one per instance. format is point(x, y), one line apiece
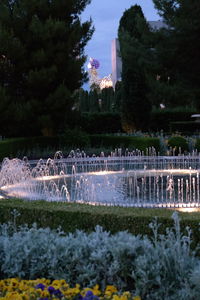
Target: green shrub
point(185, 127)
point(72, 216)
point(101, 122)
point(131, 142)
point(161, 118)
point(75, 138)
point(197, 145)
point(178, 143)
point(18, 147)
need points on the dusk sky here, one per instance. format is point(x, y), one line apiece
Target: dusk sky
point(106, 15)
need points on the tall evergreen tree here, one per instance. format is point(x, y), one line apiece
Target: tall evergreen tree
point(42, 44)
point(180, 46)
point(135, 47)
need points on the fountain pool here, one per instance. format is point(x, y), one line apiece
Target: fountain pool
point(130, 181)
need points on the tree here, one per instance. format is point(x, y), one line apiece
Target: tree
point(179, 48)
point(42, 43)
point(107, 99)
point(135, 45)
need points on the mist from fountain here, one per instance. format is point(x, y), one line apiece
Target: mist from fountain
point(126, 180)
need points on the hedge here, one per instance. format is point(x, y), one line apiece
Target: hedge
point(162, 118)
point(131, 142)
point(71, 216)
point(94, 123)
point(19, 146)
point(185, 127)
point(179, 144)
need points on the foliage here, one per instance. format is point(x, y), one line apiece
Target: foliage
point(178, 143)
point(134, 41)
point(72, 216)
point(75, 138)
point(20, 147)
point(104, 122)
point(41, 63)
point(178, 47)
point(197, 145)
point(161, 118)
point(187, 127)
point(131, 142)
point(93, 101)
point(163, 267)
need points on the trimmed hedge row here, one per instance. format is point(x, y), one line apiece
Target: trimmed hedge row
point(186, 127)
point(72, 139)
point(101, 122)
point(163, 119)
point(131, 142)
point(85, 217)
point(19, 147)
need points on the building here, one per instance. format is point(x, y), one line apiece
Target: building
point(116, 62)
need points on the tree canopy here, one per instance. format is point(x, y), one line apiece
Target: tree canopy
point(179, 46)
point(41, 62)
point(134, 41)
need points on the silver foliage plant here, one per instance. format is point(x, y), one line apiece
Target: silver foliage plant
point(161, 267)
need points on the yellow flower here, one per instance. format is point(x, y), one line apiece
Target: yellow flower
point(13, 296)
point(111, 289)
point(96, 290)
point(44, 294)
point(116, 297)
point(137, 298)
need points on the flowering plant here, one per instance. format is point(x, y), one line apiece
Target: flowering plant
point(44, 289)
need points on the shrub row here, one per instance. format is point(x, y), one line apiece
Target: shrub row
point(72, 139)
point(101, 123)
point(85, 217)
point(131, 142)
point(163, 267)
point(161, 119)
point(185, 127)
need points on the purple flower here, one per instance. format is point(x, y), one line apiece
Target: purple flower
point(89, 294)
point(51, 289)
point(44, 298)
point(40, 286)
point(58, 293)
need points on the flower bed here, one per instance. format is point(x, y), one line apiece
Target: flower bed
point(45, 289)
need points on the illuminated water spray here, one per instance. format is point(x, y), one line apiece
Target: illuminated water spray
point(132, 180)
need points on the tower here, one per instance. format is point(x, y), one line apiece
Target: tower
point(116, 61)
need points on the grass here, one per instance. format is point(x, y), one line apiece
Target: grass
point(86, 208)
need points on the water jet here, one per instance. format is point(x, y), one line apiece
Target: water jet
point(130, 180)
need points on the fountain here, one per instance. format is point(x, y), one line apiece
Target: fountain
point(130, 180)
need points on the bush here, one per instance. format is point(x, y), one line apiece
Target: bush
point(131, 142)
point(75, 138)
point(101, 122)
point(197, 145)
point(72, 216)
point(179, 144)
point(163, 267)
point(185, 127)
point(18, 147)
point(161, 118)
